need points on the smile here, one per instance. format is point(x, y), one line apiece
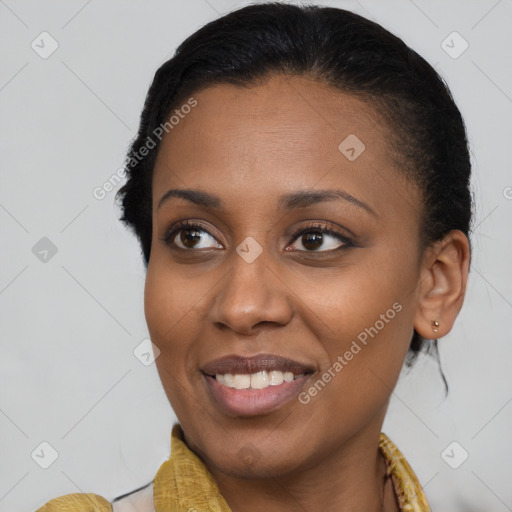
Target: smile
point(238, 397)
point(259, 380)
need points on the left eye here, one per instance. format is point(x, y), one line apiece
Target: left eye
point(311, 240)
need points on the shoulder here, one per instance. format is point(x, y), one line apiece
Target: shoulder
point(77, 503)
point(140, 500)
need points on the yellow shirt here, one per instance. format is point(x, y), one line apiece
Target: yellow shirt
point(184, 484)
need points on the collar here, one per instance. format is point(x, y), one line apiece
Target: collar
point(184, 483)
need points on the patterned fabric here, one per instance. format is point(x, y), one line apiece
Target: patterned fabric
point(408, 490)
point(183, 483)
point(77, 503)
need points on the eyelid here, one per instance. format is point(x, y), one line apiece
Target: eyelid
point(324, 228)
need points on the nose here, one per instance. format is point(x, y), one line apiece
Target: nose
point(251, 295)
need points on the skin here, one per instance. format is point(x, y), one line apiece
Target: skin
point(248, 146)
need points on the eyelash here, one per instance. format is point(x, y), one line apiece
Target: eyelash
point(323, 229)
point(311, 228)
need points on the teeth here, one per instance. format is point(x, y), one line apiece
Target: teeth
point(259, 380)
point(276, 378)
point(242, 381)
point(288, 376)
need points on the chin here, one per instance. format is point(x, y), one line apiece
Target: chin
point(253, 460)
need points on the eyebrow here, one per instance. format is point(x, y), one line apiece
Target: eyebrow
point(299, 199)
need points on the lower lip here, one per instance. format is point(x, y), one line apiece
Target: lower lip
point(251, 402)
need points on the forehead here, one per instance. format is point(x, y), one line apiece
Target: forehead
point(283, 134)
point(302, 111)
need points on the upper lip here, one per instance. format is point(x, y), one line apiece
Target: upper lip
point(236, 364)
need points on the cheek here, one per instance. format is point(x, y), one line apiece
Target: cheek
point(159, 306)
point(364, 348)
point(175, 306)
point(170, 303)
point(363, 313)
point(171, 320)
point(166, 309)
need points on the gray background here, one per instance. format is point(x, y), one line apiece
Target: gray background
point(70, 321)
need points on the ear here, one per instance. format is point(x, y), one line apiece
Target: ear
point(442, 287)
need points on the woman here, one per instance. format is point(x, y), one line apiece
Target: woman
point(300, 189)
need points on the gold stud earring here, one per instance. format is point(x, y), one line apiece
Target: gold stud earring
point(435, 325)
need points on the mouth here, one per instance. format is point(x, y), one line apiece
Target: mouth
point(249, 386)
point(259, 380)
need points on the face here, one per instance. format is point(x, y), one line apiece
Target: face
point(285, 251)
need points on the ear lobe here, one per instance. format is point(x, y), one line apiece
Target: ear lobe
point(442, 287)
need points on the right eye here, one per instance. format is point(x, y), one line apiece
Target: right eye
point(188, 236)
